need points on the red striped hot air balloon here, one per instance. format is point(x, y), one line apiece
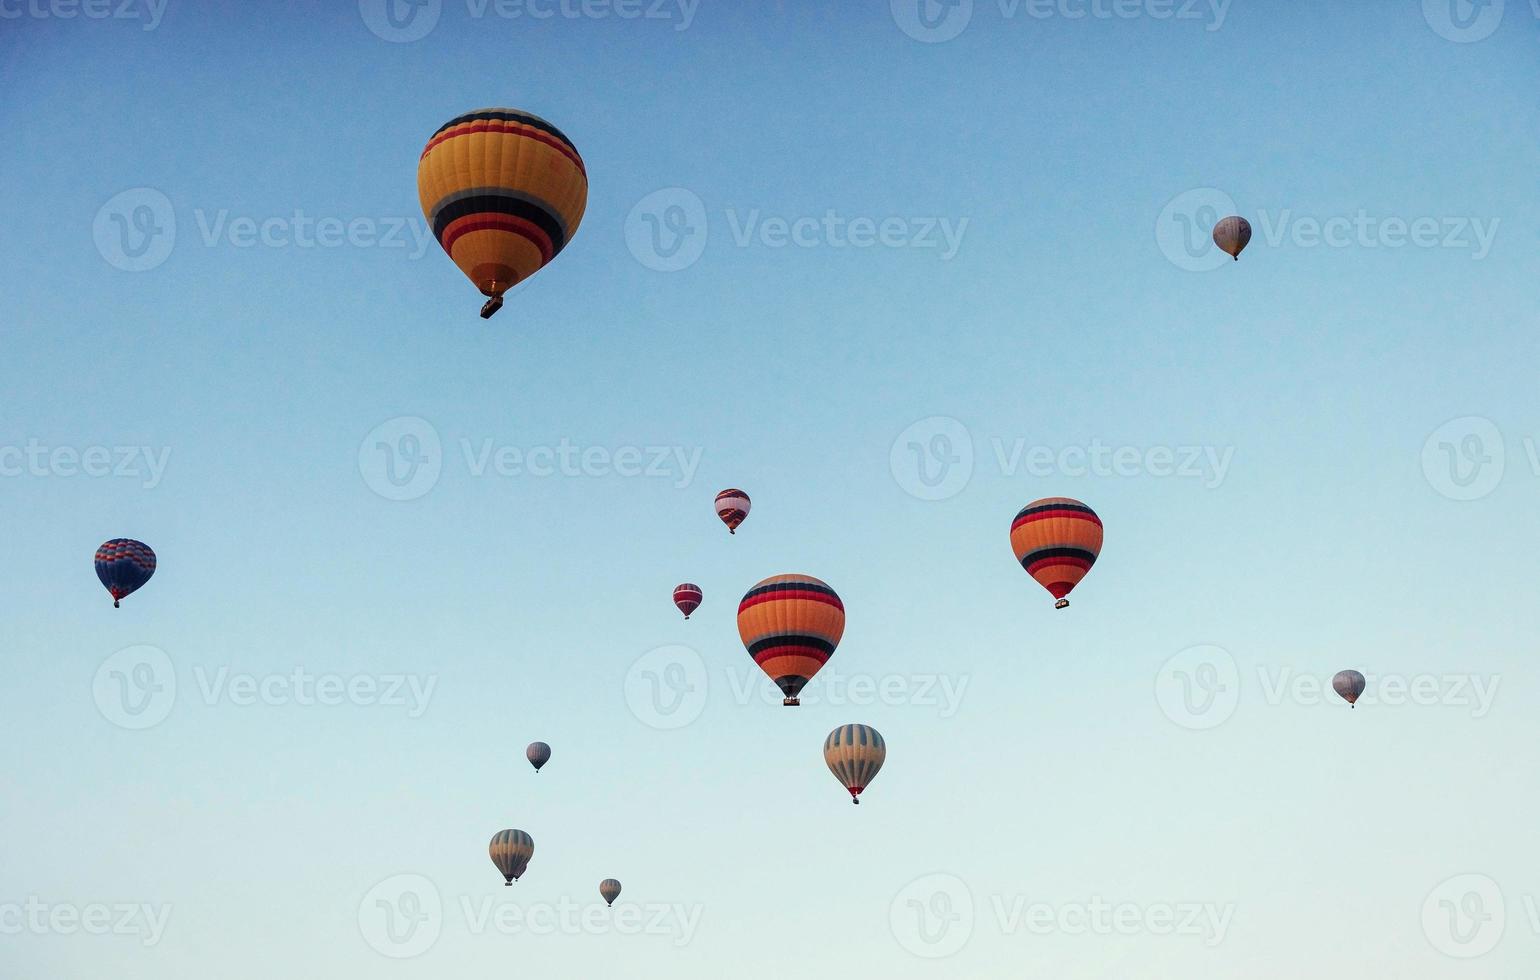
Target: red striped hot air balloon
point(1057, 539)
point(687, 597)
point(732, 508)
point(790, 625)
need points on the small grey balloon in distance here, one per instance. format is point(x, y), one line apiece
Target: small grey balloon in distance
point(855, 754)
point(609, 890)
point(1232, 234)
point(538, 754)
point(511, 851)
point(1350, 684)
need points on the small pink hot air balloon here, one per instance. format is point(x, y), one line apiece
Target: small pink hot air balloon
point(732, 508)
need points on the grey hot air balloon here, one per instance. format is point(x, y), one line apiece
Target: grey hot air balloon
point(1350, 684)
point(538, 754)
point(854, 753)
point(511, 851)
point(1232, 234)
point(609, 890)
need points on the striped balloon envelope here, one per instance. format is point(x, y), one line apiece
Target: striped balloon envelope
point(687, 597)
point(503, 191)
point(1057, 539)
point(123, 565)
point(538, 754)
point(511, 851)
point(732, 508)
point(609, 890)
point(790, 625)
point(855, 753)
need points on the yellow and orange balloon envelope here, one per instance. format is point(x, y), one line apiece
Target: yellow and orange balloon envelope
point(855, 753)
point(790, 625)
point(503, 191)
point(1057, 539)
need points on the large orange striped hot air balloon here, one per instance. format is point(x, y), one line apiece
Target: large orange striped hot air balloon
point(1057, 539)
point(791, 625)
point(503, 191)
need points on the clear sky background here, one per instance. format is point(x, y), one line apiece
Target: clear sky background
point(1373, 399)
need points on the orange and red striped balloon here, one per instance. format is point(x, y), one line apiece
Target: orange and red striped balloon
point(1057, 539)
point(503, 191)
point(790, 625)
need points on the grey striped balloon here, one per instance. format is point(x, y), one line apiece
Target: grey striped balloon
point(609, 890)
point(855, 753)
point(511, 851)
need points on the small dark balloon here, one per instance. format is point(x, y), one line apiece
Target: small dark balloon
point(123, 565)
point(1232, 234)
point(1349, 684)
point(609, 890)
point(538, 754)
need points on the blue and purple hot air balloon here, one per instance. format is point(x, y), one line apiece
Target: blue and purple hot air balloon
point(123, 565)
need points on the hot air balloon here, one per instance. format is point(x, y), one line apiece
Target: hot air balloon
point(538, 754)
point(1350, 684)
point(503, 191)
point(1057, 539)
point(791, 625)
point(732, 508)
point(1232, 234)
point(511, 851)
point(855, 754)
point(124, 565)
point(687, 597)
point(609, 890)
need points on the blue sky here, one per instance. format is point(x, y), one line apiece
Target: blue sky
point(817, 235)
